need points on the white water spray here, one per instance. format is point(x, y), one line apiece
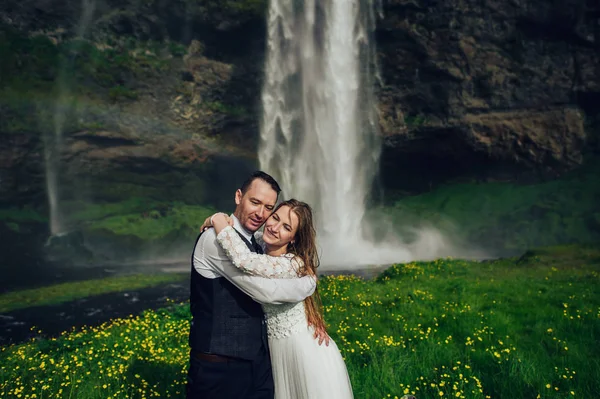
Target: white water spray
point(53, 143)
point(319, 134)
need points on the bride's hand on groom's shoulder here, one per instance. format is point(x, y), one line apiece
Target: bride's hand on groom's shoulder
point(208, 222)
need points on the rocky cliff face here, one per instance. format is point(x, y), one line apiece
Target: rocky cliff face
point(473, 89)
point(147, 118)
point(143, 115)
point(488, 89)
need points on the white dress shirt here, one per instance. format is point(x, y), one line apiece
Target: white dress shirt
point(211, 262)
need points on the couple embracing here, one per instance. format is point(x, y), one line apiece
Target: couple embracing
point(257, 324)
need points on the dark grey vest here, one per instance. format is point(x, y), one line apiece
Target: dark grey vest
point(225, 321)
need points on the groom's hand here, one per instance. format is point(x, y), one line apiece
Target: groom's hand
point(321, 335)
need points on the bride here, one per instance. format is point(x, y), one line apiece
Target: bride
point(302, 369)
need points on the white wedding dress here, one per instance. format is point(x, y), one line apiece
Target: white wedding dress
point(302, 369)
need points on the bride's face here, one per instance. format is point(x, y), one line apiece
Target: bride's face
point(281, 227)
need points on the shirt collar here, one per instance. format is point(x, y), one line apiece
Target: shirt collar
point(241, 229)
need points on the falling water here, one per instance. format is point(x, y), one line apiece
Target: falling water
point(319, 130)
point(54, 142)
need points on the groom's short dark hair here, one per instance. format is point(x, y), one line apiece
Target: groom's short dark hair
point(259, 174)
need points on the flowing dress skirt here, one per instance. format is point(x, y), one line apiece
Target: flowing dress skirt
point(303, 369)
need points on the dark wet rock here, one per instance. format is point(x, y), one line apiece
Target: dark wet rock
point(499, 88)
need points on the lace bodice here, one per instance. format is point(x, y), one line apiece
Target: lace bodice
point(282, 320)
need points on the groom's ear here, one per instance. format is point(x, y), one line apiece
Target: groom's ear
point(238, 197)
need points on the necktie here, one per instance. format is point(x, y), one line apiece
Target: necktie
point(257, 247)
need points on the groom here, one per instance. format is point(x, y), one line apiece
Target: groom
point(229, 356)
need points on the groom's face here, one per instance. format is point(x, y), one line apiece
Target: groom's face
point(255, 205)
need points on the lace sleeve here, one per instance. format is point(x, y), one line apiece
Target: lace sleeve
point(252, 263)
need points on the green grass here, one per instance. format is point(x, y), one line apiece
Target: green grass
point(525, 328)
point(144, 219)
point(510, 216)
point(24, 214)
point(65, 292)
point(85, 211)
point(138, 217)
point(151, 227)
point(20, 219)
point(512, 326)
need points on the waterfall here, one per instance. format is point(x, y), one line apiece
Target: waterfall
point(319, 135)
point(53, 142)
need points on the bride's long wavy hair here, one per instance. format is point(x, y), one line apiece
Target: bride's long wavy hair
point(304, 246)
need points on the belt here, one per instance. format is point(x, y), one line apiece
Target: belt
point(210, 357)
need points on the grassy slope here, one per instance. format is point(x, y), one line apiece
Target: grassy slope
point(143, 218)
point(140, 217)
point(519, 328)
point(508, 216)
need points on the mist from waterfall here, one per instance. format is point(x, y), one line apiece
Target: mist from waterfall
point(319, 130)
point(53, 142)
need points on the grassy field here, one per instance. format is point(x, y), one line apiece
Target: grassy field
point(525, 327)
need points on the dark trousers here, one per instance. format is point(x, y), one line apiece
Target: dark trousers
point(243, 379)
